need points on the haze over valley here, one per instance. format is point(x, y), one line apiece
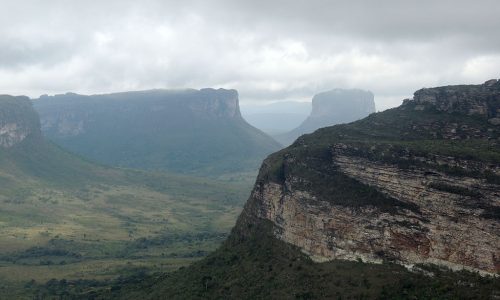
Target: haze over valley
point(249, 149)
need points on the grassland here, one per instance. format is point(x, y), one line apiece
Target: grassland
point(64, 218)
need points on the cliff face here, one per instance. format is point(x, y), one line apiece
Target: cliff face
point(71, 114)
point(18, 120)
point(333, 107)
point(191, 131)
point(482, 100)
point(416, 184)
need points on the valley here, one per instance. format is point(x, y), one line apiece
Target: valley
point(402, 204)
point(63, 217)
point(249, 150)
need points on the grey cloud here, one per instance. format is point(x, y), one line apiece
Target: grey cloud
point(268, 50)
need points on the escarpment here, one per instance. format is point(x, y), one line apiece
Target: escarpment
point(18, 120)
point(198, 132)
point(416, 184)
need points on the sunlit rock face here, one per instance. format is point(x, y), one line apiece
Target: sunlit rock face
point(18, 120)
point(416, 184)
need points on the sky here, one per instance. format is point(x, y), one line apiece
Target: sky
point(269, 51)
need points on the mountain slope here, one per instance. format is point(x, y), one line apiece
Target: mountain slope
point(330, 108)
point(416, 185)
point(195, 132)
point(63, 217)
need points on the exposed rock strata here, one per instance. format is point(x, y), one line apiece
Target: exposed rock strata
point(442, 201)
point(481, 100)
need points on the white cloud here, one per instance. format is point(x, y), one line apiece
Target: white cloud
point(268, 50)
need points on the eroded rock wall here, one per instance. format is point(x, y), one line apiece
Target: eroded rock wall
point(448, 229)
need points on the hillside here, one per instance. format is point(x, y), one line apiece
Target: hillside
point(382, 208)
point(330, 108)
point(197, 132)
point(62, 217)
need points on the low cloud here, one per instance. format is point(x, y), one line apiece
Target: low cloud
point(268, 50)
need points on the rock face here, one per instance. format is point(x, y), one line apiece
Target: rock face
point(191, 131)
point(416, 184)
point(333, 107)
point(70, 114)
point(481, 100)
point(18, 120)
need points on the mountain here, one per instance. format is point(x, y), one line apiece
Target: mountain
point(63, 217)
point(188, 131)
point(330, 108)
point(278, 117)
point(381, 208)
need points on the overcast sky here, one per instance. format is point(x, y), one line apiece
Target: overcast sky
point(267, 50)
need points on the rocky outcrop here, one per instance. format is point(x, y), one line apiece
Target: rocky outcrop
point(18, 120)
point(410, 185)
point(480, 100)
point(333, 107)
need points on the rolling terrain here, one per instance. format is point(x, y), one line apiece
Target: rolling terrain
point(62, 217)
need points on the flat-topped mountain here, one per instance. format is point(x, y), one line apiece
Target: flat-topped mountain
point(333, 107)
point(189, 131)
point(376, 209)
point(277, 117)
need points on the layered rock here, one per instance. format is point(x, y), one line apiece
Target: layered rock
point(480, 100)
point(18, 120)
point(415, 184)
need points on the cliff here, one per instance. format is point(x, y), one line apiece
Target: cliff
point(18, 120)
point(416, 184)
point(191, 131)
point(333, 107)
point(381, 208)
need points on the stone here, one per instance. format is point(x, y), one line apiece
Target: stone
point(440, 208)
point(494, 121)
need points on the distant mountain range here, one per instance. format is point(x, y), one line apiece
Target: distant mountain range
point(330, 108)
point(197, 132)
